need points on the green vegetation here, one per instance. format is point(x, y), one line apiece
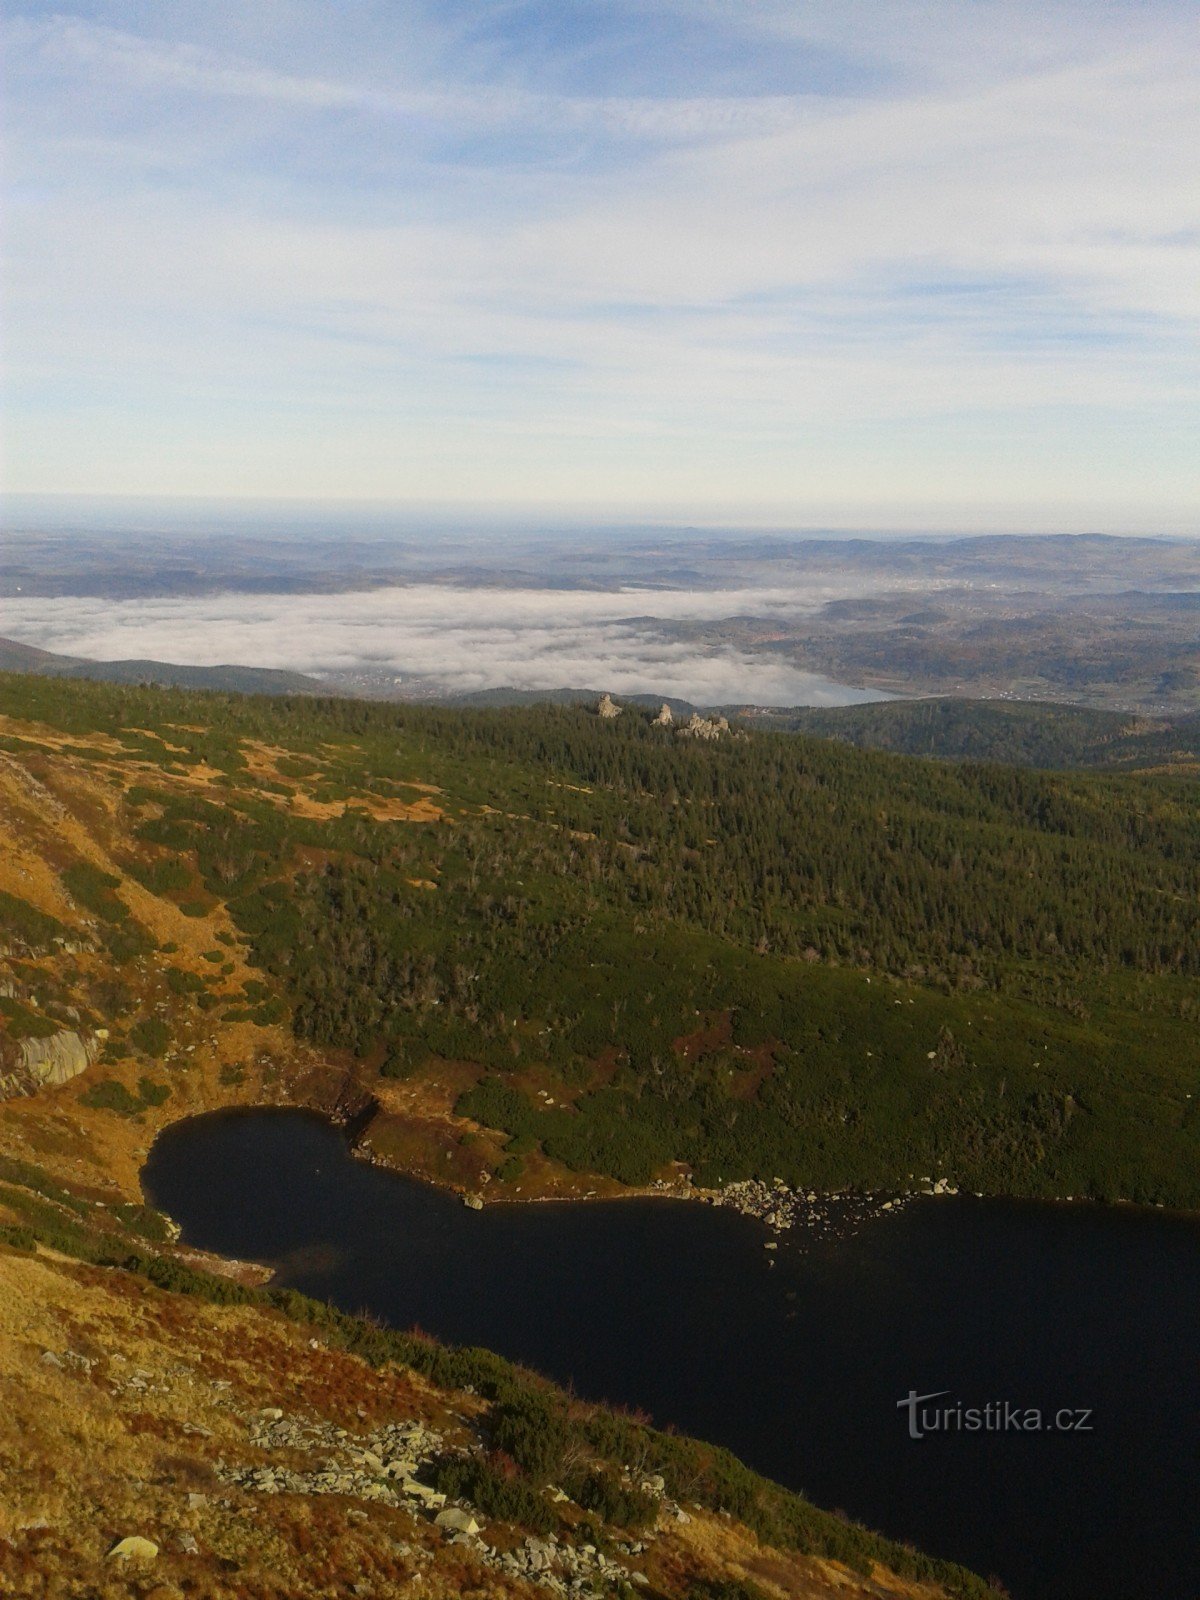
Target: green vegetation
point(22, 1023)
point(161, 877)
point(1017, 732)
point(496, 1492)
point(151, 1036)
point(521, 1404)
point(110, 1095)
point(774, 955)
point(23, 926)
point(93, 889)
point(181, 982)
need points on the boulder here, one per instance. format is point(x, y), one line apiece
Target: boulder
point(608, 707)
point(664, 719)
point(46, 1063)
point(422, 1491)
point(134, 1548)
point(457, 1520)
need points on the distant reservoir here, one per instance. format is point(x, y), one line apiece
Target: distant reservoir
point(797, 1366)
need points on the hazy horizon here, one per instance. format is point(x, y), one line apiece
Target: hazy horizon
point(51, 513)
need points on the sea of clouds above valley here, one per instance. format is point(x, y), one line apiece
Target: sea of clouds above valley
point(463, 638)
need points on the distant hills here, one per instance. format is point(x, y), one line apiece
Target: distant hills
point(16, 657)
point(1019, 733)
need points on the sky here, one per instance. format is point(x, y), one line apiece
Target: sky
point(776, 262)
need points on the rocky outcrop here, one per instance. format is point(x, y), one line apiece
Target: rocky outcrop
point(698, 727)
point(46, 1063)
point(664, 719)
point(608, 708)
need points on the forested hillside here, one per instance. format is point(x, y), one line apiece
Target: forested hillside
point(1022, 733)
point(617, 948)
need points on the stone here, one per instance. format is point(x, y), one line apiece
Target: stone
point(458, 1520)
point(664, 718)
point(133, 1548)
point(473, 1202)
point(608, 708)
point(46, 1063)
point(422, 1491)
point(698, 727)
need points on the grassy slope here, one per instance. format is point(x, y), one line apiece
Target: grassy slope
point(502, 909)
point(169, 862)
point(128, 1393)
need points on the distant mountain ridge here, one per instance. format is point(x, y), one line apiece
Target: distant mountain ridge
point(17, 657)
point(1018, 733)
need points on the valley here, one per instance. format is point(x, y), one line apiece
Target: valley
point(534, 953)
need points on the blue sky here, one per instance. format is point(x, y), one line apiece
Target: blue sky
point(826, 262)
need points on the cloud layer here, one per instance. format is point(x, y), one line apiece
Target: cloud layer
point(462, 639)
point(843, 259)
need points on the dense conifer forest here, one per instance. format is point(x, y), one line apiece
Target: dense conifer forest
point(770, 955)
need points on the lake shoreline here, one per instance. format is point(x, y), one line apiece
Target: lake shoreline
point(794, 1209)
point(792, 1353)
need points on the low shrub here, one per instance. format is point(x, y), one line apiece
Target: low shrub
point(532, 1429)
point(499, 1495)
point(151, 1036)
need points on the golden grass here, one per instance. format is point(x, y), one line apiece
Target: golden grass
point(114, 1435)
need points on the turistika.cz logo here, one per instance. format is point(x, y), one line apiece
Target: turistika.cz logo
point(997, 1416)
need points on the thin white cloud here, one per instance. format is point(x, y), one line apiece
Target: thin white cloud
point(463, 639)
point(156, 65)
point(975, 282)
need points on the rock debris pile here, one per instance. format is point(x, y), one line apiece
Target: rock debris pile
point(382, 1466)
point(783, 1209)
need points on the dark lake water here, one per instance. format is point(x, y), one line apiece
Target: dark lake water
point(798, 1368)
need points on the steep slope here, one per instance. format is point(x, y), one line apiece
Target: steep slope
point(553, 949)
point(166, 1432)
point(528, 952)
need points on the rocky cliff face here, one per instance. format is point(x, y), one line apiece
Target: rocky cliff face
point(44, 1063)
point(698, 727)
